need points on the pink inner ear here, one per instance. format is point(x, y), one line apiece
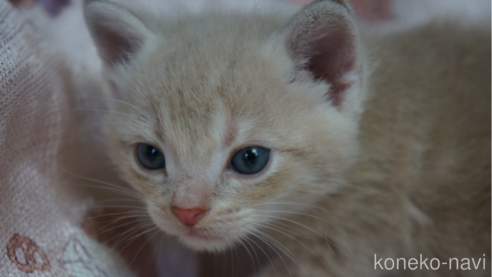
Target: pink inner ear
point(115, 48)
point(333, 56)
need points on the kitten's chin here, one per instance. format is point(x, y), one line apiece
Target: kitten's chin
point(200, 242)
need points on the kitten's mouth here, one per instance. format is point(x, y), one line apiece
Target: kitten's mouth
point(197, 234)
point(202, 239)
point(211, 236)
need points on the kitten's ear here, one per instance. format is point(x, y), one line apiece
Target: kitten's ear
point(118, 33)
point(323, 39)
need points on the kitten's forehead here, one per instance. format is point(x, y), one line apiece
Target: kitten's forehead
point(200, 87)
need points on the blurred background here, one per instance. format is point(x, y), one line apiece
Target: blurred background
point(61, 20)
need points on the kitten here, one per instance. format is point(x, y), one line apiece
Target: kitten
point(333, 147)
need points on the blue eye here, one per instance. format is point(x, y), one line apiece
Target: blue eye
point(250, 160)
point(150, 157)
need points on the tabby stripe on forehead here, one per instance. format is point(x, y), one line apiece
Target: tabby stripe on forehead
point(231, 133)
point(159, 131)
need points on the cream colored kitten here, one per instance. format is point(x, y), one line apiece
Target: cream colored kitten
point(335, 148)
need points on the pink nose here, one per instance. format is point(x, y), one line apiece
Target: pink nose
point(189, 216)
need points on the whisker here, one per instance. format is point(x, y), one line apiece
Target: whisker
point(238, 260)
point(156, 230)
point(312, 230)
point(268, 257)
point(106, 111)
point(130, 214)
point(290, 229)
point(114, 189)
point(246, 239)
point(304, 214)
point(274, 244)
point(129, 235)
point(109, 186)
point(250, 255)
point(301, 243)
point(122, 225)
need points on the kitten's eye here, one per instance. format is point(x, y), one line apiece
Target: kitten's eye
point(250, 160)
point(150, 157)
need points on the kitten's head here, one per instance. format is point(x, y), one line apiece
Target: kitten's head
point(222, 121)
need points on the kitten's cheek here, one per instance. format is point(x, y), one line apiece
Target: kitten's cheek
point(158, 217)
point(165, 221)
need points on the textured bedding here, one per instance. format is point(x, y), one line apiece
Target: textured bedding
point(40, 231)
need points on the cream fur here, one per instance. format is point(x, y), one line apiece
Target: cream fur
point(408, 174)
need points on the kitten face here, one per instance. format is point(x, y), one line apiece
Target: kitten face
point(199, 93)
